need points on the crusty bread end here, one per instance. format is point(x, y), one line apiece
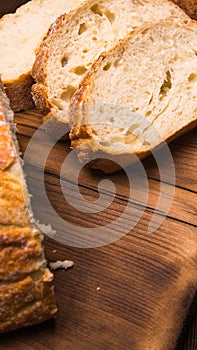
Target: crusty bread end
point(19, 92)
point(26, 291)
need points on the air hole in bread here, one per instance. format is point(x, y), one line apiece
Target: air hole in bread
point(152, 39)
point(192, 78)
point(57, 104)
point(64, 61)
point(146, 143)
point(128, 133)
point(174, 59)
point(148, 113)
point(94, 38)
point(145, 31)
point(110, 15)
point(85, 50)
point(151, 99)
point(82, 28)
point(195, 52)
point(94, 132)
point(79, 70)
point(167, 84)
point(68, 93)
point(129, 136)
point(116, 63)
point(107, 67)
point(95, 8)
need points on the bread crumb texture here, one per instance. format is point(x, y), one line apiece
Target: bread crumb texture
point(77, 39)
point(138, 94)
point(59, 264)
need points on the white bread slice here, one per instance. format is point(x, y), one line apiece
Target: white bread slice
point(26, 293)
point(20, 34)
point(76, 40)
point(152, 73)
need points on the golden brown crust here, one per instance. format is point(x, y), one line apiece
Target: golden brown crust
point(40, 97)
point(26, 302)
point(26, 293)
point(7, 155)
point(39, 68)
point(13, 210)
point(39, 73)
point(189, 6)
point(110, 166)
point(77, 115)
point(39, 90)
point(19, 92)
point(20, 249)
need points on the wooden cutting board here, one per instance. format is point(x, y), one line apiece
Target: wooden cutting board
point(131, 294)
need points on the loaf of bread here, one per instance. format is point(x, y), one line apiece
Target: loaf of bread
point(20, 34)
point(26, 293)
point(189, 6)
point(77, 39)
point(137, 95)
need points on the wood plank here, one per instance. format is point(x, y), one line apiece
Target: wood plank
point(182, 209)
point(184, 202)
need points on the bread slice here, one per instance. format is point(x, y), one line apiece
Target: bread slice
point(189, 6)
point(26, 293)
point(138, 94)
point(20, 34)
point(77, 39)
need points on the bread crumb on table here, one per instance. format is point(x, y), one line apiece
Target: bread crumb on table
point(46, 229)
point(66, 264)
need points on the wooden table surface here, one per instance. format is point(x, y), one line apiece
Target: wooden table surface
point(113, 297)
point(106, 300)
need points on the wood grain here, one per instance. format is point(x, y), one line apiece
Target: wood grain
point(145, 286)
